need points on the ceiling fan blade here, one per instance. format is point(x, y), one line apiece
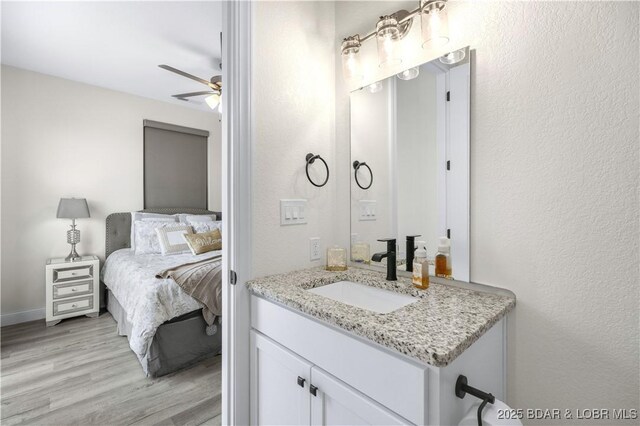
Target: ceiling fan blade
point(184, 74)
point(187, 95)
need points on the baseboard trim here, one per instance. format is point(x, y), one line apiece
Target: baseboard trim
point(24, 316)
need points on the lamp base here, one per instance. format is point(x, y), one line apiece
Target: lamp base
point(73, 255)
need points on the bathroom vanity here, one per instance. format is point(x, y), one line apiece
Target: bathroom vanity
point(371, 351)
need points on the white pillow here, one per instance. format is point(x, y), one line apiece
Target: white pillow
point(136, 216)
point(208, 226)
point(186, 218)
point(146, 239)
point(171, 239)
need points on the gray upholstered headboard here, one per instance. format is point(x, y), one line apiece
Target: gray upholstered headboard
point(119, 226)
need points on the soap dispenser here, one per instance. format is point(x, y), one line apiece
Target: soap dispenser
point(443, 258)
point(420, 275)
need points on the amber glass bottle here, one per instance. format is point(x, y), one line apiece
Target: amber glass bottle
point(443, 259)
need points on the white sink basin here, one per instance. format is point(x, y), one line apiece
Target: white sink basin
point(364, 296)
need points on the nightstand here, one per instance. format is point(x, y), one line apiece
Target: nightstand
point(73, 288)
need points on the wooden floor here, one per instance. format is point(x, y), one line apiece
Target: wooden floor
point(80, 372)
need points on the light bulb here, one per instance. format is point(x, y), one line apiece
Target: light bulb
point(409, 74)
point(435, 23)
point(213, 100)
point(374, 87)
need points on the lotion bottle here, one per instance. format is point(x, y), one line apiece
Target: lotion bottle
point(443, 258)
point(420, 276)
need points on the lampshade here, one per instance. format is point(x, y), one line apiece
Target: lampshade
point(388, 36)
point(409, 74)
point(435, 23)
point(212, 100)
point(72, 208)
point(350, 62)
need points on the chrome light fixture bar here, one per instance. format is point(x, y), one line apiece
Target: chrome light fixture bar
point(390, 29)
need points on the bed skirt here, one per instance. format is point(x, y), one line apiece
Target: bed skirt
point(178, 343)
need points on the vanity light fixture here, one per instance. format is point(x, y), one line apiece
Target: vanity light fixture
point(453, 57)
point(374, 87)
point(388, 35)
point(350, 61)
point(391, 29)
point(435, 23)
point(409, 74)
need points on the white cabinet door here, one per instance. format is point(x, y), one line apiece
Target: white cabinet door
point(336, 403)
point(279, 384)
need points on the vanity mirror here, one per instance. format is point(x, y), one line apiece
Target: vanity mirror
point(410, 162)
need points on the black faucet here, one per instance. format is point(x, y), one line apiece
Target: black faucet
point(390, 254)
point(411, 248)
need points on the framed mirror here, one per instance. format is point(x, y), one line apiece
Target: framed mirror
point(410, 163)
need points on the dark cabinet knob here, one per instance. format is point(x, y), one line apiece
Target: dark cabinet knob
point(313, 390)
point(301, 381)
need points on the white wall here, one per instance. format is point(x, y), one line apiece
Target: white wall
point(293, 101)
point(554, 187)
point(62, 139)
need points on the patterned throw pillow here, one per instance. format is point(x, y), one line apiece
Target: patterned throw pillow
point(146, 239)
point(208, 226)
point(205, 242)
point(171, 241)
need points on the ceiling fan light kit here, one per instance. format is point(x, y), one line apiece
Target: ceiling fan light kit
point(214, 93)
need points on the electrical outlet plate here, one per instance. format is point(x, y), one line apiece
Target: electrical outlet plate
point(367, 209)
point(293, 212)
point(314, 248)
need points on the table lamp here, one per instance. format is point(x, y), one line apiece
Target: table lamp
point(73, 208)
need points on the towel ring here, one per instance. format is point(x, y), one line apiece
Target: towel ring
point(356, 167)
point(310, 160)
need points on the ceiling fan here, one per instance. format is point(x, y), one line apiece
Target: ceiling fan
point(214, 84)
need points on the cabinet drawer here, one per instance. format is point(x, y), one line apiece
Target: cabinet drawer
point(72, 273)
point(68, 306)
point(72, 289)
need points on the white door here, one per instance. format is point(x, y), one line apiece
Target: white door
point(336, 403)
point(279, 384)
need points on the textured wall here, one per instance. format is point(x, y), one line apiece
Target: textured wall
point(61, 139)
point(293, 101)
point(554, 187)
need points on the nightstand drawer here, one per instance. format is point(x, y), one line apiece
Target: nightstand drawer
point(72, 273)
point(72, 289)
point(67, 306)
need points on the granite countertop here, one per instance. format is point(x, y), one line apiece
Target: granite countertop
point(435, 330)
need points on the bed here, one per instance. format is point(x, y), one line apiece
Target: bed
point(165, 326)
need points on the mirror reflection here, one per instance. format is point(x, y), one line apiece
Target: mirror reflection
point(410, 168)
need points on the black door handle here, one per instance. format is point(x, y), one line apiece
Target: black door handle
point(313, 390)
point(301, 381)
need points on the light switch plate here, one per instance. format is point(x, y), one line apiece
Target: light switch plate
point(367, 209)
point(293, 212)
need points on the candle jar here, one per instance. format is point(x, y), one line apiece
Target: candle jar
point(360, 253)
point(336, 259)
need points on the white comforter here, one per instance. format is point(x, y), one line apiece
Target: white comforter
point(148, 301)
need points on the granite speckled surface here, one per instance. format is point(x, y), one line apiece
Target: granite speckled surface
point(435, 330)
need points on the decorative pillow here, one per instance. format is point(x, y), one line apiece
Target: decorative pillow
point(201, 227)
point(146, 239)
point(136, 216)
point(171, 241)
point(205, 242)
